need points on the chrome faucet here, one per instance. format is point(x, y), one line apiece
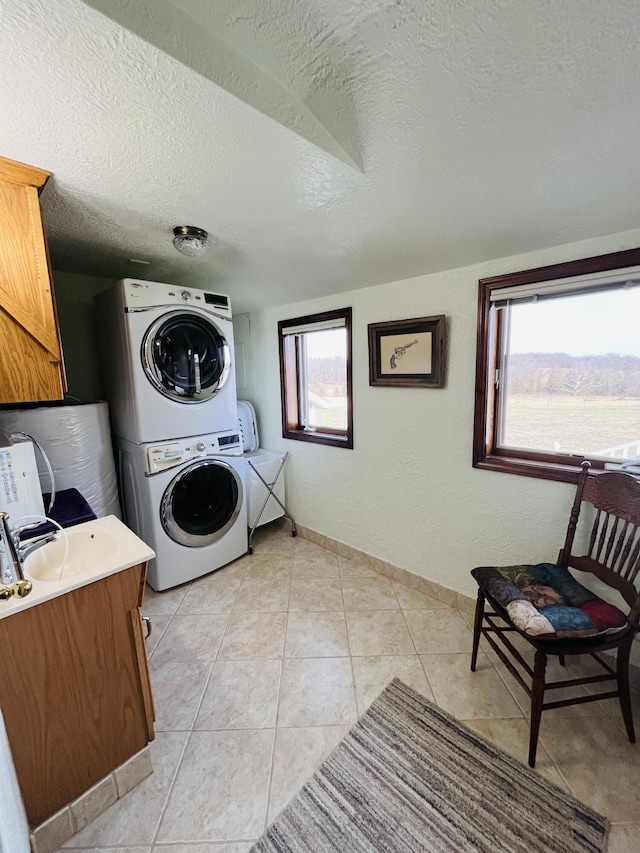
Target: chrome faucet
point(11, 564)
point(13, 556)
point(32, 544)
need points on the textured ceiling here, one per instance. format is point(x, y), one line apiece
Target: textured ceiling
point(324, 144)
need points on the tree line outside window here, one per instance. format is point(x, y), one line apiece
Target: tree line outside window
point(610, 375)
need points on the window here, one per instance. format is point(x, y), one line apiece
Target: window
point(558, 368)
point(315, 371)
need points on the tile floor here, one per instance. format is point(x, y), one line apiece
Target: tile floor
point(259, 670)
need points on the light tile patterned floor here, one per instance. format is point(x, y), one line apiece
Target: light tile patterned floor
point(260, 669)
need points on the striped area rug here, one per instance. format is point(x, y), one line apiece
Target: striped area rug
point(408, 778)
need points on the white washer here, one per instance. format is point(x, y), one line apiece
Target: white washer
point(166, 360)
point(187, 500)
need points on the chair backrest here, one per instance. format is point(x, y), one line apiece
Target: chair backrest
point(613, 554)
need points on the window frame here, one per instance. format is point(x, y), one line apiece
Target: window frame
point(486, 454)
point(290, 354)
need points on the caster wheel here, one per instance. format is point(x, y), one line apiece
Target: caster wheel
point(294, 533)
point(250, 549)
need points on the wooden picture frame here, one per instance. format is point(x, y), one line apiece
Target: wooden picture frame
point(408, 353)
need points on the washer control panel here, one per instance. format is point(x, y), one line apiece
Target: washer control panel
point(168, 454)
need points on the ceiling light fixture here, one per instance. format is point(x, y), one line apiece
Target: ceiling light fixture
point(190, 241)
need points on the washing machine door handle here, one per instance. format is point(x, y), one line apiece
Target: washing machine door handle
point(195, 363)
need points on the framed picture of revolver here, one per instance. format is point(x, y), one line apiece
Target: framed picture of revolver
point(408, 353)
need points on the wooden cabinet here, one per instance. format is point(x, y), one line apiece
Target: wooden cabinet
point(75, 691)
point(31, 366)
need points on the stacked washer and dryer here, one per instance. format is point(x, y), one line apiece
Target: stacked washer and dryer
point(170, 381)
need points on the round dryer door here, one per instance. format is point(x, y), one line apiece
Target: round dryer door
point(201, 503)
point(186, 357)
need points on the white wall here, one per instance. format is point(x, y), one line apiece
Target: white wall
point(242, 353)
point(14, 829)
point(407, 492)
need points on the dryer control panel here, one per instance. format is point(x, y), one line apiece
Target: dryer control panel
point(142, 295)
point(167, 454)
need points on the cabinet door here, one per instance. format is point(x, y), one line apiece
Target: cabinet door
point(71, 693)
point(31, 364)
point(143, 670)
point(139, 638)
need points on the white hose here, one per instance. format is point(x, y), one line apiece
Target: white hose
point(38, 520)
point(26, 435)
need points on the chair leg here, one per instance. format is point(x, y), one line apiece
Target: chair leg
point(477, 625)
point(561, 659)
point(622, 671)
point(537, 699)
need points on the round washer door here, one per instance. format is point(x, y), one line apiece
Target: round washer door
point(201, 503)
point(185, 356)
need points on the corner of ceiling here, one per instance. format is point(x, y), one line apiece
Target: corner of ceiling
point(171, 30)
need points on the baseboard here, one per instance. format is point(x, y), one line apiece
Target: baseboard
point(461, 602)
point(64, 824)
point(428, 587)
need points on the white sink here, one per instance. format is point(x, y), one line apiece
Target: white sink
point(96, 549)
point(87, 551)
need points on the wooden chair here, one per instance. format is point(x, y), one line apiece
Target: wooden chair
point(613, 556)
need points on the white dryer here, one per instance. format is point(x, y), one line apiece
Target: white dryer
point(187, 500)
point(166, 360)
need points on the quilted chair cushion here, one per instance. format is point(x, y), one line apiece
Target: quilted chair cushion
point(547, 602)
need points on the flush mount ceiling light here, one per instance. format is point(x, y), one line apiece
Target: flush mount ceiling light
point(190, 241)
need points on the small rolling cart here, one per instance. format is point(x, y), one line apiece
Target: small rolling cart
point(264, 476)
point(270, 485)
